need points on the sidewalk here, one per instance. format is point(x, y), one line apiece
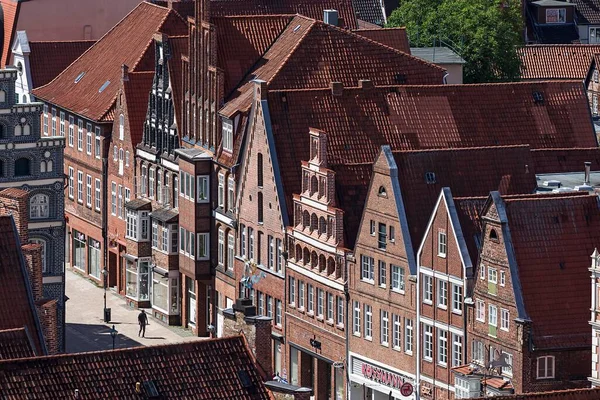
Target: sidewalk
point(86, 330)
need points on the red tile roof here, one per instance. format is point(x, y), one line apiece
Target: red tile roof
point(548, 161)
point(10, 11)
point(469, 215)
point(128, 42)
point(309, 8)
point(395, 38)
point(137, 92)
point(571, 394)
point(17, 309)
point(360, 121)
point(587, 11)
point(49, 59)
point(206, 369)
point(15, 343)
point(556, 61)
point(552, 239)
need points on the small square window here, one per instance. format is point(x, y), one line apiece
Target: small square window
point(442, 244)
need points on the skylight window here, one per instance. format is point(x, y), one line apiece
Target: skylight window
point(104, 86)
point(79, 77)
point(296, 29)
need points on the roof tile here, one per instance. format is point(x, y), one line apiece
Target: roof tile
point(49, 59)
point(556, 61)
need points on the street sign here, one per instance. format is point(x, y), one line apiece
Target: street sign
point(406, 389)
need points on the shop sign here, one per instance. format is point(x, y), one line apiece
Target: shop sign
point(382, 376)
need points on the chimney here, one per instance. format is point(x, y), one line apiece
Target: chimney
point(337, 88)
point(33, 257)
point(365, 84)
point(588, 166)
point(14, 202)
point(48, 315)
point(124, 73)
point(330, 17)
point(260, 89)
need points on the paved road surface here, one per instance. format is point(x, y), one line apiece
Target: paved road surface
point(86, 330)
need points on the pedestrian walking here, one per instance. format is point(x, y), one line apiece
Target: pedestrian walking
point(143, 321)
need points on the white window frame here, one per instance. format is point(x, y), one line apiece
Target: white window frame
point(442, 347)
point(442, 295)
point(88, 140)
point(203, 188)
point(88, 191)
point(71, 183)
point(480, 310)
point(330, 308)
point(230, 194)
point(80, 187)
point(493, 315)
point(408, 335)
point(504, 319)
point(561, 15)
point(368, 322)
point(397, 332)
point(382, 267)
point(442, 244)
point(310, 303)
point(481, 271)
point(221, 248)
point(221, 192)
point(292, 291)
point(230, 251)
point(384, 328)
point(548, 368)
point(457, 299)
point(367, 269)
point(45, 120)
point(53, 121)
point(427, 342)
point(340, 311)
point(502, 278)
point(493, 275)
point(320, 303)
point(227, 136)
point(113, 198)
point(71, 131)
point(97, 141)
point(457, 346)
point(62, 123)
point(356, 319)
point(427, 289)
point(97, 199)
point(300, 295)
point(39, 206)
point(79, 135)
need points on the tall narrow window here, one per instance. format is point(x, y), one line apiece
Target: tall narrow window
point(384, 328)
point(41, 242)
point(442, 244)
point(97, 142)
point(356, 319)
point(121, 127)
point(62, 124)
point(80, 187)
point(221, 191)
point(230, 193)
point(97, 199)
point(230, 251)
point(53, 121)
point(427, 342)
point(151, 183)
point(259, 169)
point(442, 350)
point(368, 322)
point(88, 140)
point(45, 116)
point(71, 131)
point(71, 182)
point(88, 191)
point(80, 135)
point(221, 247)
point(260, 208)
point(382, 237)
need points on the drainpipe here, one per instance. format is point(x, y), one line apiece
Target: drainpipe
point(417, 336)
point(105, 212)
point(347, 326)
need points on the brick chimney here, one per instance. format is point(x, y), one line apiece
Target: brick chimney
point(337, 88)
point(14, 202)
point(365, 84)
point(33, 257)
point(124, 73)
point(48, 315)
point(257, 330)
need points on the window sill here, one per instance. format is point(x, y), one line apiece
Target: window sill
point(340, 327)
point(440, 255)
point(369, 338)
point(398, 291)
point(504, 329)
point(396, 348)
point(310, 314)
point(409, 352)
point(356, 334)
point(443, 365)
point(369, 281)
point(383, 286)
point(457, 312)
point(329, 322)
point(386, 345)
point(428, 302)
point(429, 360)
point(480, 320)
point(320, 318)
point(443, 307)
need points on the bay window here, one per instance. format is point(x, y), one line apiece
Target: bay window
point(137, 279)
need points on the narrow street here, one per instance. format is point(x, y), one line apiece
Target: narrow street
point(86, 330)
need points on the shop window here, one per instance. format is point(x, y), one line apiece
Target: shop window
point(78, 249)
point(94, 257)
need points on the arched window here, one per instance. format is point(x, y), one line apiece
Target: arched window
point(306, 256)
point(41, 242)
point(24, 99)
point(313, 222)
point(322, 226)
point(260, 207)
point(382, 192)
point(493, 234)
point(314, 185)
point(330, 266)
point(121, 126)
point(26, 130)
point(22, 167)
point(322, 263)
point(2, 96)
point(314, 259)
point(306, 219)
point(43, 166)
point(49, 166)
point(127, 159)
point(121, 155)
point(39, 207)
point(259, 168)
point(298, 252)
point(321, 187)
point(18, 130)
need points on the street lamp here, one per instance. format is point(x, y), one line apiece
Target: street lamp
point(113, 334)
point(105, 282)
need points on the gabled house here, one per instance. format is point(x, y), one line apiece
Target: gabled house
point(550, 22)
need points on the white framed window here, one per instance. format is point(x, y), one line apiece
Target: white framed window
point(301, 295)
point(251, 243)
point(121, 126)
point(442, 244)
point(45, 120)
point(556, 15)
point(97, 139)
point(372, 228)
point(457, 299)
point(270, 251)
point(221, 191)
point(278, 312)
point(340, 311)
point(88, 140)
point(71, 182)
point(311, 298)
point(133, 224)
point(150, 182)
point(221, 248)
point(39, 206)
point(368, 322)
point(477, 352)
point(127, 158)
point(392, 235)
point(594, 37)
point(62, 124)
point(330, 307)
point(279, 254)
point(242, 241)
point(427, 342)
point(442, 294)
point(408, 335)
point(88, 191)
point(493, 315)
point(113, 198)
point(545, 367)
point(227, 136)
point(502, 278)
point(492, 275)
point(80, 187)
point(79, 135)
point(382, 273)
point(320, 302)
point(382, 237)
point(203, 246)
point(71, 131)
point(397, 332)
point(144, 180)
point(384, 331)
point(442, 348)
point(480, 310)
point(292, 291)
point(269, 306)
point(203, 189)
point(120, 203)
point(155, 234)
point(367, 268)
point(97, 198)
point(481, 271)
point(175, 191)
point(456, 350)
point(159, 186)
point(428, 289)
point(230, 251)
point(507, 371)
point(53, 121)
point(230, 193)
point(355, 318)
point(398, 278)
point(504, 319)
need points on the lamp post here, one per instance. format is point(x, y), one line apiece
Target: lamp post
point(105, 277)
point(113, 334)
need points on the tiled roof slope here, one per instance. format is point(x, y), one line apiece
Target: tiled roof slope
point(242, 41)
point(48, 59)
point(137, 92)
point(587, 11)
point(360, 121)
point(370, 11)
point(312, 54)
point(10, 10)
point(17, 309)
point(396, 38)
point(309, 8)
point(15, 343)
point(571, 394)
point(469, 214)
point(128, 42)
point(552, 239)
point(548, 161)
point(556, 61)
point(207, 369)
point(467, 172)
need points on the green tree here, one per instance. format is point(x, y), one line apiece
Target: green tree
point(486, 33)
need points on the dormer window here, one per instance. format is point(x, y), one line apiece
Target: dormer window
point(556, 15)
point(227, 135)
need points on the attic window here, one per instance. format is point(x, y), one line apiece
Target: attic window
point(430, 178)
point(493, 235)
point(400, 78)
point(104, 86)
point(382, 192)
point(245, 379)
point(151, 390)
point(79, 77)
point(538, 97)
point(296, 28)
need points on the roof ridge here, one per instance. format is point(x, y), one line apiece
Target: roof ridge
point(62, 41)
point(515, 198)
point(451, 149)
point(391, 28)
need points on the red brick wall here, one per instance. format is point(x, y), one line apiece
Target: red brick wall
point(15, 202)
point(33, 258)
point(48, 315)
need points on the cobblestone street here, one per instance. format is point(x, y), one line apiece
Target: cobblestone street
point(86, 330)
